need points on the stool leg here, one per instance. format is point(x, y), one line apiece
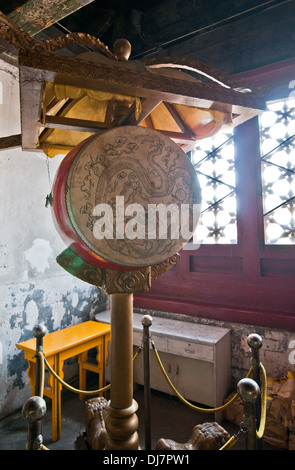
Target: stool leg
point(100, 364)
point(56, 401)
point(82, 374)
point(52, 382)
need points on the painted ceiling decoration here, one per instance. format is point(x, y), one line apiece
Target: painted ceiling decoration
point(34, 16)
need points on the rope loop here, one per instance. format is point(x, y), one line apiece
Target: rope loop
point(190, 405)
point(228, 445)
point(66, 385)
point(233, 439)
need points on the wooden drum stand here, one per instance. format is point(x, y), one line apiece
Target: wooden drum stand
point(141, 167)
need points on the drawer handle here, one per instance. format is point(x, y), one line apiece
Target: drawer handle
point(192, 351)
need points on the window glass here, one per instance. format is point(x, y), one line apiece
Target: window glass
point(277, 147)
point(214, 162)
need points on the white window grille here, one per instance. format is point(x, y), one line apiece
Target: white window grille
point(277, 147)
point(214, 162)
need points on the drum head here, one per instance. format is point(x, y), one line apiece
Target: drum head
point(132, 196)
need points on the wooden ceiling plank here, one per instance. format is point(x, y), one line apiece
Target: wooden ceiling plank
point(33, 16)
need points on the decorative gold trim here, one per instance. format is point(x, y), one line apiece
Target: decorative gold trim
point(121, 282)
point(161, 268)
point(112, 280)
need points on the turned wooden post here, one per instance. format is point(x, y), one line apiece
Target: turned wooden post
point(122, 422)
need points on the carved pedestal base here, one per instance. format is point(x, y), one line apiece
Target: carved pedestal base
point(121, 420)
point(121, 425)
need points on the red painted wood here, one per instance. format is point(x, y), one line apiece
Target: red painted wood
point(61, 218)
point(257, 288)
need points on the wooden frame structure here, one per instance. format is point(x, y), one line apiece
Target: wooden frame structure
point(39, 64)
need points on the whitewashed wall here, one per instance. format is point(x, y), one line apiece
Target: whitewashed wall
point(33, 287)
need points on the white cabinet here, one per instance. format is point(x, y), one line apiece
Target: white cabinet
point(197, 359)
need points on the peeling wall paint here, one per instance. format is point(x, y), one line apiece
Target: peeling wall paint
point(277, 353)
point(55, 303)
point(38, 255)
point(34, 289)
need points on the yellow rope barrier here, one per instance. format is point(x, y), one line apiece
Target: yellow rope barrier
point(260, 431)
point(229, 444)
point(197, 408)
point(69, 387)
point(42, 376)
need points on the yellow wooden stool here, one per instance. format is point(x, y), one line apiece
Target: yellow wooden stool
point(61, 345)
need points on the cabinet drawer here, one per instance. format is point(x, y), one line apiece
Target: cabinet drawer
point(190, 349)
point(161, 342)
point(137, 338)
point(178, 347)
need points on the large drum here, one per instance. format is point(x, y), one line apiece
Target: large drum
point(127, 197)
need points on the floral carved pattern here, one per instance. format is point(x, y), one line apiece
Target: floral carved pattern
point(26, 45)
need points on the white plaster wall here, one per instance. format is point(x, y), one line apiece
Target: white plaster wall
point(33, 287)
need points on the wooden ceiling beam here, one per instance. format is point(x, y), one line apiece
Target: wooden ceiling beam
point(61, 113)
point(82, 125)
point(117, 78)
point(10, 142)
point(147, 106)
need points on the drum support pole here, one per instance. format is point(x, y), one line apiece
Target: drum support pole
point(121, 421)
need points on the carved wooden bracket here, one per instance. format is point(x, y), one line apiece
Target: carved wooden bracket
point(111, 280)
point(228, 99)
point(20, 42)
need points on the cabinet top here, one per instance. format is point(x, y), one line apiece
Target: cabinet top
point(177, 329)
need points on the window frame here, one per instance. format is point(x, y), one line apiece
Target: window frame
point(249, 282)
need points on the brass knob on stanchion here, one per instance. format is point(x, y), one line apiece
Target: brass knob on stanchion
point(34, 409)
point(146, 321)
point(248, 390)
point(39, 331)
point(254, 341)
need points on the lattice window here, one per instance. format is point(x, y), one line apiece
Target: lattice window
point(214, 162)
point(277, 144)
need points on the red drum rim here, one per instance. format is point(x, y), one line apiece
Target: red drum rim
point(62, 221)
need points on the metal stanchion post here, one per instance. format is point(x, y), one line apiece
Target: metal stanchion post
point(255, 343)
point(33, 411)
point(39, 333)
point(146, 321)
point(35, 407)
point(249, 391)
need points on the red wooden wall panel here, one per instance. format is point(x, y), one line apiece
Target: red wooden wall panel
point(248, 282)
